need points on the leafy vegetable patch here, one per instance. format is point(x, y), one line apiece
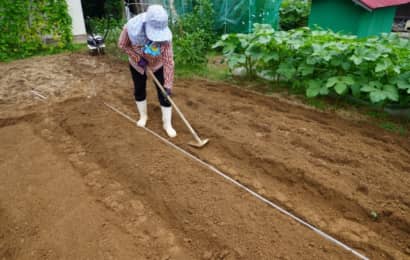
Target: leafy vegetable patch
point(375, 69)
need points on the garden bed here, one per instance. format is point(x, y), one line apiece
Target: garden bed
point(79, 181)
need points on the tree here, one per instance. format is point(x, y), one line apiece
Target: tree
point(102, 8)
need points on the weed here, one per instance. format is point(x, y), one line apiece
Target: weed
point(393, 127)
point(317, 103)
point(374, 215)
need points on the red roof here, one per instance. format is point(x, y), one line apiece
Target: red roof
point(373, 4)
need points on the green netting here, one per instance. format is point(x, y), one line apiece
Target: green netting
point(231, 15)
point(240, 15)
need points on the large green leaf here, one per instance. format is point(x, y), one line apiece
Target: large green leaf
point(367, 88)
point(268, 74)
point(371, 55)
point(287, 70)
point(331, 82)
point(256, 51)
point(356, 59)
point(377, 96)
point(271, 56)
point(347, 80)
point(324, 91)
point(371, 86)
point(237, 61)
point(306, 69)
point(383, 65)
point(397, 69)
point(314, 88)
point(340, 88)
point(403, 84)
point(391, 92)
point(218, 44)
point(356, 90)
point(265, 39)
point(346, 65)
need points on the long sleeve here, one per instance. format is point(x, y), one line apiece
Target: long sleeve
point(168, 61)
point(124, 43)
point(135, 52)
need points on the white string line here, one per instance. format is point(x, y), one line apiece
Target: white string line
point(38, 94)
point(283, 211)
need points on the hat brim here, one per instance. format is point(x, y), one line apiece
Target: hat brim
point(155, 35)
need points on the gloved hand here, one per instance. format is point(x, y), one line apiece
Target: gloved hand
point(142, 63)
point(169, 91)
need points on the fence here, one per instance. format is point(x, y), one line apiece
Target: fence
point(230, 15)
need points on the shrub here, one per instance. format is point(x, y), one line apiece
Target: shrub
point(325, 63)
point(27, 24)
point(294, 14)
point(194, 34)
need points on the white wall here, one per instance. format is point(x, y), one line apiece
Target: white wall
point(76, 12)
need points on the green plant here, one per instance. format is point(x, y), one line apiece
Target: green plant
point(190, 49)
point(100, 9)
point(30, 26)
point(392, 127)
point(113, 35)
point(374, 215)
point(376, 69)
point(194, 34)
point(319, 104)
point(210, 72)
point(243, 50)
point(100, 25)
point(294, 14)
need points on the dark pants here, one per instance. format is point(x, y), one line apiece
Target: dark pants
point(140, 86)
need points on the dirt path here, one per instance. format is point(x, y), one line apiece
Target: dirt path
point(78, 181)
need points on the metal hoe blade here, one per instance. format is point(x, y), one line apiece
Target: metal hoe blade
point(199, 144)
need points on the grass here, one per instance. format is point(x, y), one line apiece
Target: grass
point(318, 104)
point(385, 121)
point(210, 72)
point(111, 44)
point(394, 127)
point(380, 115)
point(214, 70)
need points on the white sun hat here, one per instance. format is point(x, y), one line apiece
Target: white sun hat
point(156, 24)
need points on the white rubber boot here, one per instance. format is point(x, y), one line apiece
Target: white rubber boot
point(142, 110)
point(166, 120)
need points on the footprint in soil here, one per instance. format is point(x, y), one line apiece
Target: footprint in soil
point(138, 207)
point(192, 104)
point(208, 255)
point(353, 231)
point(113, 202)
point(262, 128)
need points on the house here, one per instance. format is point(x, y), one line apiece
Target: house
point(76, 12)
point(359, 17)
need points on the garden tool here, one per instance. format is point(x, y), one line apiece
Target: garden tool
point(95, 41)
point(198, 143)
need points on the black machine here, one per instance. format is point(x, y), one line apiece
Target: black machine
point(402, 19)
point(95, 41)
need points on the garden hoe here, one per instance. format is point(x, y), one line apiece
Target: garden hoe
point(198, 143)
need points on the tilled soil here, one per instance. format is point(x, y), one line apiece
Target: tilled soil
point(78, 181)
